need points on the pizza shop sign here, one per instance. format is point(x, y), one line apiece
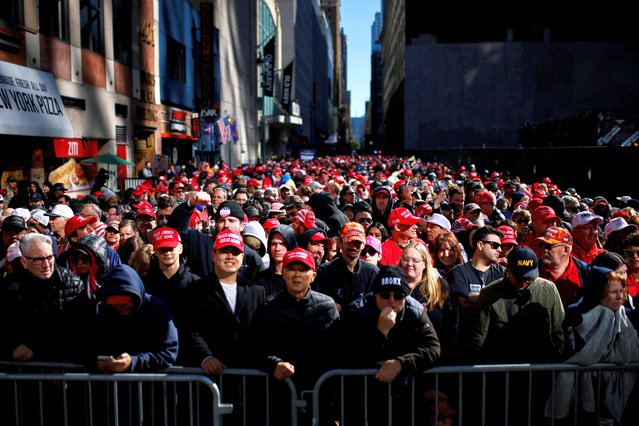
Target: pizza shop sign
point(30, 104)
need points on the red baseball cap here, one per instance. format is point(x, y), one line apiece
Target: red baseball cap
point(270, 224)
point(299, 255)
point(306, 217)
point(77, 222)
point(229, 239)
point(423, 210)
point(143, 205)
point(140, 189)
point(402, 216)
point(353, 231)
point(484, 197)
point(556, 235)
point(545, 213)
point(165, 237)
point(319, 237)
point(510, 236)
point(145, 212)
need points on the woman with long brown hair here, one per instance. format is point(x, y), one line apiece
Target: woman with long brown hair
point(447, 252)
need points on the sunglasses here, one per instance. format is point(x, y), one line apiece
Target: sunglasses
point(365, 220)
point(493, 244)
point(370, 252)
point(525, 221)
point(163, 216)
point(396, 295)
point(631, 253)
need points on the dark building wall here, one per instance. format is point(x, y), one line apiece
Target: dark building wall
point(311, 71)
point(608, 171)
point(181, 22)
point(480, 94)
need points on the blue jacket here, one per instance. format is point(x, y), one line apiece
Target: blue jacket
point(147, 334)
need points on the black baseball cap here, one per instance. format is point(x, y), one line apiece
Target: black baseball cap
point(522, 263)
point(59, 187)
point(14, 223)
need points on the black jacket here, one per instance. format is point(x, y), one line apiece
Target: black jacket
point(336, 280)
point(301, 332)
point(216, 330)
point(50, 317)
point(413, 340)
point(198, 246)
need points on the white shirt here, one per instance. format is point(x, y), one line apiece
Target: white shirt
point(230, 290)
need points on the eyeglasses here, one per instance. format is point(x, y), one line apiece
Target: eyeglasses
point(39, 260)
point(396, 295)
point(80, 258)
point(493, 244)
point(524, 221)
point(365, 220)
point(409, 260)
point(631, 253)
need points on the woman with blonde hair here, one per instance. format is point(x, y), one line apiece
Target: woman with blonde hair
point(430, 289)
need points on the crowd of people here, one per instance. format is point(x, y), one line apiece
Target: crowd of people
point(298, 267)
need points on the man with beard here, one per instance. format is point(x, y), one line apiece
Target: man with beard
point(315, 241)
point(382, 205)
point(347, 277)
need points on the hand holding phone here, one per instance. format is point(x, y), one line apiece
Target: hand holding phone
point(106, 358)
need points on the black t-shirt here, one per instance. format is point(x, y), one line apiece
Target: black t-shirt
point(465, 279)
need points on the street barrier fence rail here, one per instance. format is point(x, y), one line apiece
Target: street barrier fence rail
point(522, 394)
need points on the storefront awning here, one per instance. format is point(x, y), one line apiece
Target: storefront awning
point(30, 104)
point(283, 120)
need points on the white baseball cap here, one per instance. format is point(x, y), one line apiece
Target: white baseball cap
point(61, 210)
point(584, 218)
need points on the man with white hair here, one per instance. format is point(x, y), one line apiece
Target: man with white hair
point(40, 324)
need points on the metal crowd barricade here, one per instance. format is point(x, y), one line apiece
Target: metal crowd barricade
point(477, 395)
point(41, 393)
point(250, 390)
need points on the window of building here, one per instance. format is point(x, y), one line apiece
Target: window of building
point(51, 16)
point(91, 25)
point(11, 12)
point(122, 37)
point(265, 32)
point(175, 60)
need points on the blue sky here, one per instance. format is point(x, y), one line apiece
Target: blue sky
point(357, 19)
